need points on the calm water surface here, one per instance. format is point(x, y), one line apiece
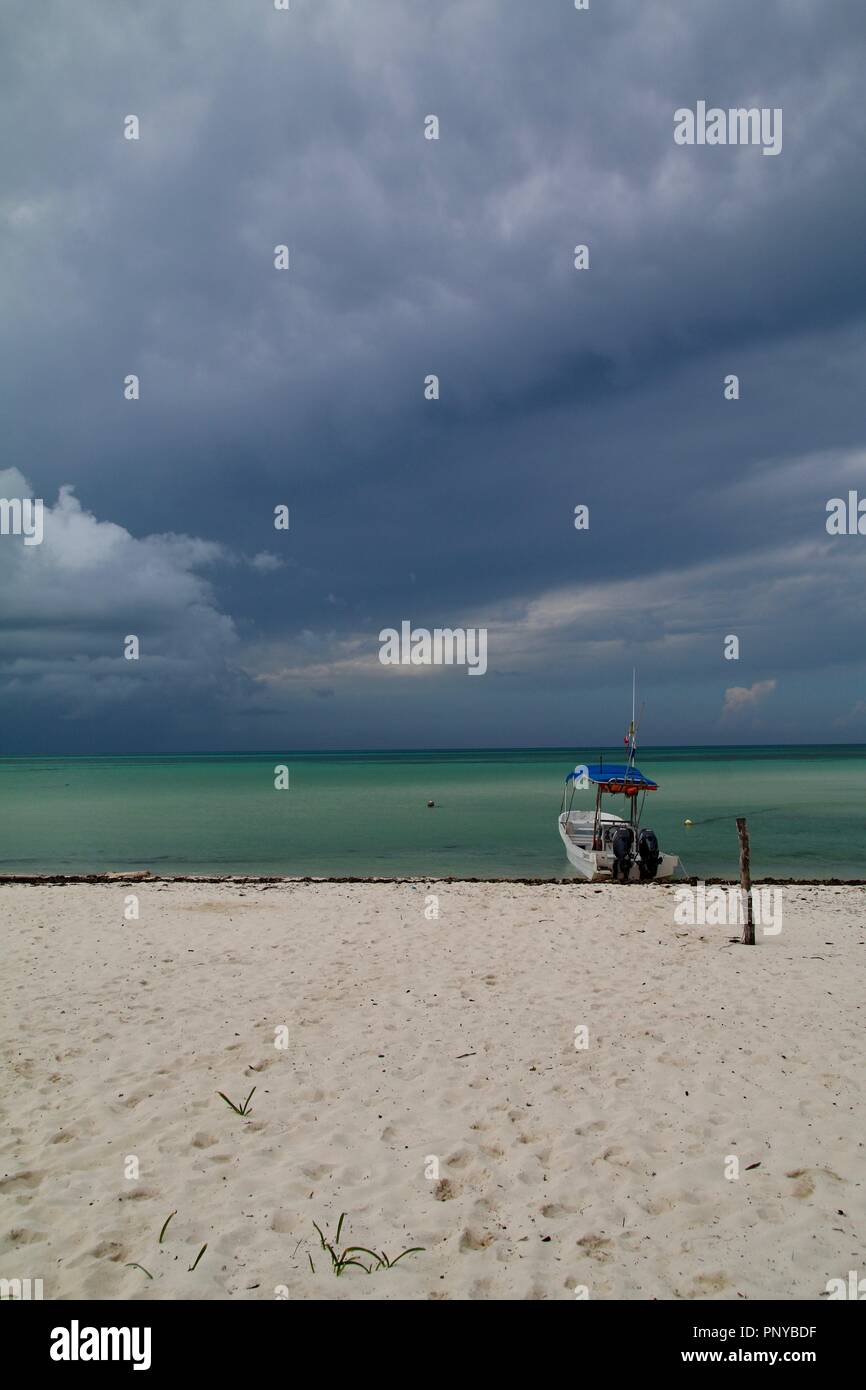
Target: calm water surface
point(365, 814)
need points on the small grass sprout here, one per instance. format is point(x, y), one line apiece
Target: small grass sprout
point(244, 1108)
point(165, 1226)
point(348, 1257)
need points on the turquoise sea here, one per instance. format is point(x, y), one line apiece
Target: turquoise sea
point(365, 814)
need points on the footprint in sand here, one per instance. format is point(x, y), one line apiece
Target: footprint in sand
point(596, 1247)
point(28, 1178)
point(475, 1239)
point(108, 1250)
point(615, 1155)
point(203, 1141)
point(711, 1283)
point(23, 1237)
point(493, 1150)
point(459, 1158)
point(261, 1066)
point(806, 1180)
point(805, 1184)
point(314, 1171)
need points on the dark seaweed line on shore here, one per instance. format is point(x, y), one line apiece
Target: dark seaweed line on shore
point(262, 880)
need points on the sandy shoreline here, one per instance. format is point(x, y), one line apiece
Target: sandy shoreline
point(242, 880)
point(413, 1039)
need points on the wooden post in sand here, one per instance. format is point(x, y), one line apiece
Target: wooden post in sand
point(746, 882)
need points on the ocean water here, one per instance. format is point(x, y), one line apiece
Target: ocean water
point(365, 814)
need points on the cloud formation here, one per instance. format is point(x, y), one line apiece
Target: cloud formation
point(559, 387)
point(739, 699)
point(70, 603)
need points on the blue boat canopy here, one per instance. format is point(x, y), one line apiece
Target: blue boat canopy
point(615, 777)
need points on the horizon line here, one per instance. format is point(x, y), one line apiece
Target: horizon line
point(445, 748)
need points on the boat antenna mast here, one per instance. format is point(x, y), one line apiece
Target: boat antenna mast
point(631, 740)
point(634, 726)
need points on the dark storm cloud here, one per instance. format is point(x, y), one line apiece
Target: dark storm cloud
point(454, 257)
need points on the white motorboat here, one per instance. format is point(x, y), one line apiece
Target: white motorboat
point(601, 845)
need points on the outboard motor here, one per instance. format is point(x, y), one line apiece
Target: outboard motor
point(623, 858)
point(648, 854)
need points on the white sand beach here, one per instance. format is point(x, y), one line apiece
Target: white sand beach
point(412, 1040)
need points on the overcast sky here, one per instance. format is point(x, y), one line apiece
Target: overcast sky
point(408, 257)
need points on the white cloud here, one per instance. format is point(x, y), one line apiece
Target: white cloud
point(69, 603)
point(740, 699)
point(266, 562)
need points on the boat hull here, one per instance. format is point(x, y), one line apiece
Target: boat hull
point(596, 866)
